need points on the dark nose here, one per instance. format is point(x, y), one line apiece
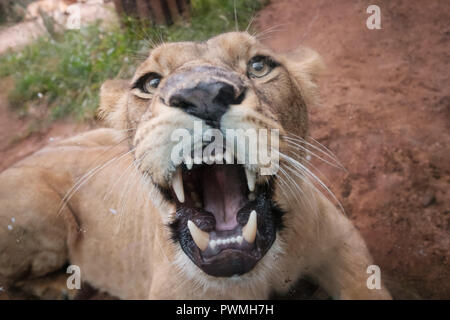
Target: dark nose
point(208, 100)
point(204, 91)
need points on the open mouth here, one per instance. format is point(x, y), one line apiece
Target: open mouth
point(225, 222)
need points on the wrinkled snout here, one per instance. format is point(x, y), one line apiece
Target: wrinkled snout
point(204, 91)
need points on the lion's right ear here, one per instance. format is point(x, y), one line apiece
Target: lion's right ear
point(113, 103)
point(305, 65)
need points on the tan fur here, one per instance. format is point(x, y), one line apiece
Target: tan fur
point(114, 226)
point(49, 7)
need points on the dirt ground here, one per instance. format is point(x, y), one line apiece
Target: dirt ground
point(20, 137)
point(385, 113)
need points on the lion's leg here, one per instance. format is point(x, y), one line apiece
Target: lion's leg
point(32, 235)
point(344, 275)
point(343, 271)
point(48, 287)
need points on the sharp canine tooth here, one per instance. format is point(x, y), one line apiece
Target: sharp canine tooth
point(251, 177)
point(177, 185)
point(239, 239)
point(249, 231)
point(212, 244)
point(188, 162)
point(201, 238)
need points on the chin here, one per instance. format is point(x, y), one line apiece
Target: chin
point(258, 283)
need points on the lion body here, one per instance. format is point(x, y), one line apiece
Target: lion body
point(84, 201)
point(49, 7)
point(115, 235)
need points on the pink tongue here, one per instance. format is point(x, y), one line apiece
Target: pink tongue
point(222, 194)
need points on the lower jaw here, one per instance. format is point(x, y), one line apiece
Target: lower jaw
point(229, 265)
point(231, 262)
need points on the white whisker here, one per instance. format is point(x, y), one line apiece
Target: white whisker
point(327, 152)
point(292, 143)
point(305, 170)
point(86, 177)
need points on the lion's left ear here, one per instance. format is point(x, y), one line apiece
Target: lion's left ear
point(113, 96)
point(305, 65)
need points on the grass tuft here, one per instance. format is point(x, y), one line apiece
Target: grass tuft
point(64, 73)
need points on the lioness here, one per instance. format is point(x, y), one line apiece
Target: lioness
point(142, 225)
point(50, 7)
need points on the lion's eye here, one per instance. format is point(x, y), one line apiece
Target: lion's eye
point(151, 83)
point(148, 83)
point(259, 66)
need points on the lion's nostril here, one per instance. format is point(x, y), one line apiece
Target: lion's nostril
point(179, 102)
point(225, 96)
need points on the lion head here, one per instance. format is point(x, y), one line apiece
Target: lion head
point(223, 212)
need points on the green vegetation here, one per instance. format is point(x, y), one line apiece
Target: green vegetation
point(64, 71)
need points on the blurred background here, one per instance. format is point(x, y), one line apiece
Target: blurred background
point(385, 108)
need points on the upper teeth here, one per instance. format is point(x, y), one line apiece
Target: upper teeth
point(251, 179)
point(202, 238)
point(177, 179)
point(177, 183)
point(197, 160)
point(228, 156)
point(218, 158)
point(189, 162)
